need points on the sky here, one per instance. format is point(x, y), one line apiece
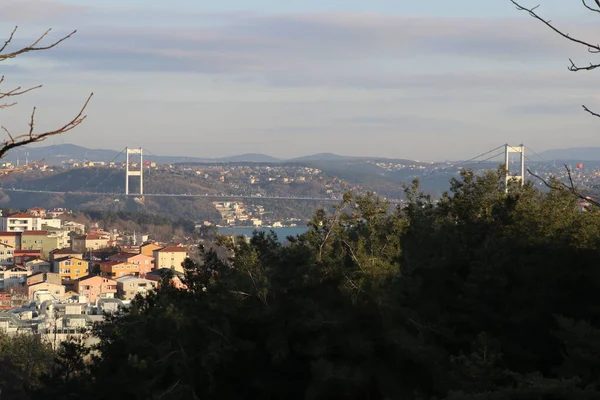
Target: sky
point(427, 80)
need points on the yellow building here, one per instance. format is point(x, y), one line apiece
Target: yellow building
point(170, 257)
point(12, 239)
point(71, 268)
point(149, 248)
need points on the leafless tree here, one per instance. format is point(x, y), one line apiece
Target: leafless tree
point(591, 47)
point(8, 97)
point(573, 67)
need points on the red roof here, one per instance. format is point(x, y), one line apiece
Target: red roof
point(173, 249)
point(36, 233)
point(26, 252)
point(10, 233)
point(64, 251)
point(21, 215)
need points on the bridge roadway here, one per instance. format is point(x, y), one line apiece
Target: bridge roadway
point(206, 196)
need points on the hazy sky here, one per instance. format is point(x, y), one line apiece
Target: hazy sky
point(428, 80)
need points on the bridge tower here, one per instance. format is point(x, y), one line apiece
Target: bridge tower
point(520, 149)
point(134, 168)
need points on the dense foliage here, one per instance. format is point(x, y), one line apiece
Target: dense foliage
point(481, 295)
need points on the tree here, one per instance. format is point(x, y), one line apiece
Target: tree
point(481, 295)
point(8, 98)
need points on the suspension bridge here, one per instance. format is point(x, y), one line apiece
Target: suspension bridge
point(134, 168)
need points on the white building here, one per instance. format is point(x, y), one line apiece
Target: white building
point(20, 222)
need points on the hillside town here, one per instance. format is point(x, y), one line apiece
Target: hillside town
point(58, 277)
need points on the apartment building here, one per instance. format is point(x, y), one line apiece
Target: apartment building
point(19, 222)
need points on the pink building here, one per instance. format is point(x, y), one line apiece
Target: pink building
point(144, 262)
point(96, 287)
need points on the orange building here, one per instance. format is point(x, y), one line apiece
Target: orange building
point(117, 269)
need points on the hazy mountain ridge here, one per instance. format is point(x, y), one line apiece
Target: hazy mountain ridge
point(56, 154)
point(572, 153)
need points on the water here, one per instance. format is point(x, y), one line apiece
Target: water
point(282, 233)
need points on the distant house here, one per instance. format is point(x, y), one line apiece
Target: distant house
point(22, 256)
point(176, 280)
point(37, 212)
point(96, 287)
point(13, 239)
point(38, 265)
point(19, 222)
point(44, 241)
point(6, 254)
point(50, 277)
point(62, 253)
point(171, 257)
point(117, 269)
point(148, 249)
point(130, 286)
point(13, 277)
point(74, 227)
point(71, 268)
point(145, 263)
point(52, 288)
point(86, 243)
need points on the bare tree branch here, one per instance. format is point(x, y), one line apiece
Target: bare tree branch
point(18, 140)
point(570, 187)
point(592, 48)
point(32, 47)
point(592, 8)
point(32, 137)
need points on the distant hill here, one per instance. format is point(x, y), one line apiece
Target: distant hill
point(573, 153)
point(56, 154)
point(324, 157)
point(250, 157)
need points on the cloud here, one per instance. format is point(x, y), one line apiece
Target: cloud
point(308, 49)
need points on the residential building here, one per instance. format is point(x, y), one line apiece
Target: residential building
point(148, 249)
point(51, 277)
point(45, 241)
point(13, 239)
point(62, 253)
point(38, 265)
point(19, 222)
point(145, 263)
point(74, 227)
point(6, 254)
point(22, 256)
point(54, 223)
point(86, 243)
point(71, 268)
point(130, 286)
point(13, 277)
point(37, 212)
point(176, 280)
point(52, 288)
point(171, 257)
point(117, 269)
point(96, 287)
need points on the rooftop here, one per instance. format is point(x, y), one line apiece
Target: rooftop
point(173, 249)
point(20, 215)
point(35, 233)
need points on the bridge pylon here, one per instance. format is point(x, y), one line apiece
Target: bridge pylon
point(134, 168)
point(520, 149)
